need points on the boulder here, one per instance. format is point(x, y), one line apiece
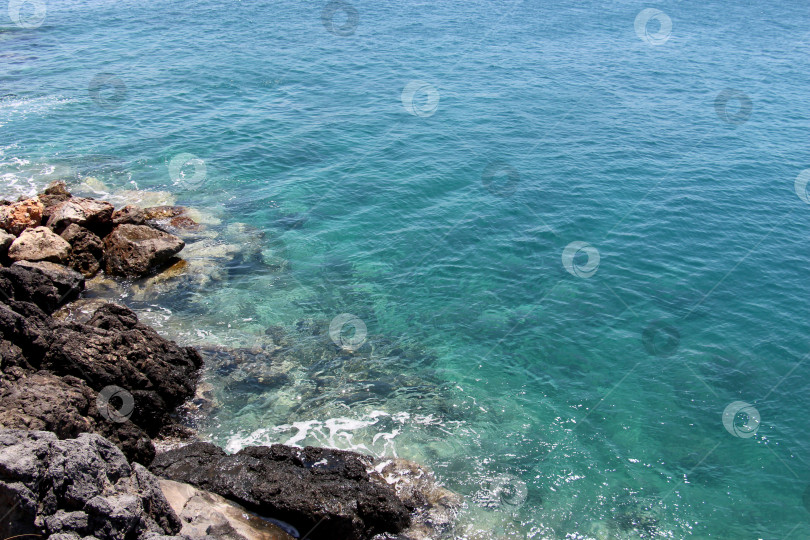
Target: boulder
point(164, 212)
point(327, 492)
point(205, 514)
point(29, 285)
point(68, 283)
point(77, 487)
point(86, 249)
point(129, 214)
point(17, 217)
point(135, 250)
point(89, 213)
point(39, 244)
point(54, 194)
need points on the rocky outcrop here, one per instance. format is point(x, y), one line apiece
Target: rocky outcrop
point(76, 362)
point(134, 250)
point(205, 514)
point(39, 244)
point(327, 492)
point(17, 217)
point(79, 487)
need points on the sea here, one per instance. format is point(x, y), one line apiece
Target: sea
point(555, 251)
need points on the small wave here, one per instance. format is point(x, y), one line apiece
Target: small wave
point(16, 108)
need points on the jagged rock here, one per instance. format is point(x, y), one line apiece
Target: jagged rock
point(68, 407)
point(130, 214)
point(68, 283)
point(89, 213)
point(54, 194)
point(207, 514)
point(86, 249)
point(24, 283)
point(113, 348)
point(6, 240)
point(134, 250)
point(82, 486)
point(17, 217)
point(39, 244)
point(302, 487)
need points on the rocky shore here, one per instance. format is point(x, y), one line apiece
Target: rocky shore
point(83, 399)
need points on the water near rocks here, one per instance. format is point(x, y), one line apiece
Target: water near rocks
point(574, 234)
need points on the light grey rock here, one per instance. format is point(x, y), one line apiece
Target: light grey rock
point(88, 213)
point(39, 244)
point(76, 488)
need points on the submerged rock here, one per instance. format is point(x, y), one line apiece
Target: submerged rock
point(135, 250)
point(82, 486)
point(327, 492)
point(39, 244)
point(17, 217)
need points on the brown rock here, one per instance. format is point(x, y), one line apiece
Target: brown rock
point(54, 194)
point(86, 249)
point(184, 222)
point(17, 217)
point(89, 213)
point(39, 244)
point(135, 250)
point(129, 214)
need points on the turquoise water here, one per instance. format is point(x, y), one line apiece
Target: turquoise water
point(423, 166)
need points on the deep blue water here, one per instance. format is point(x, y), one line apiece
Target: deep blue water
point(424, 166)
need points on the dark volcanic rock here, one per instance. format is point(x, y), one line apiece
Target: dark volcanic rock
point(303, 487)
point(86, 249)
point(115, 349)
point(134, 250)
point(83, 486)
point(29, 283)
point(68, 283)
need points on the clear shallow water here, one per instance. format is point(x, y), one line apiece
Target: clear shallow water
point(510, 369)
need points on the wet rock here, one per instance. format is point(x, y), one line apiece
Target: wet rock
point(17, 217)
point(434, 508)
point(89, 213)
point(135, 250)
point(86, 249)
point(39, 244)
point(68, 283)
point(302, 487)
point(164, 212)
point(80, 311)
point(206, 515)
point(130, 214)
point(82, 486)
point(24, 284)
